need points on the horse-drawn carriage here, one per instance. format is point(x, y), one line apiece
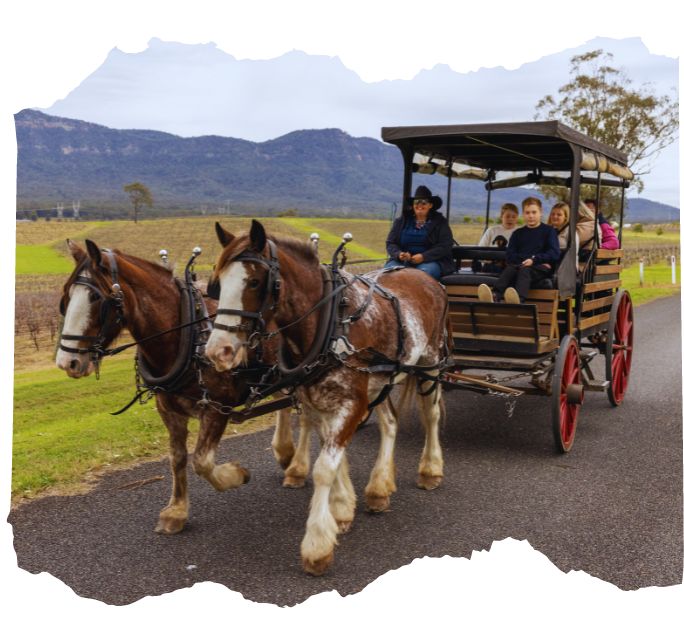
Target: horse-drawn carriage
point(580, 312)
point(333, 344)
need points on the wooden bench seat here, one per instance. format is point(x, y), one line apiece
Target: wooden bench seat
point(526, 328)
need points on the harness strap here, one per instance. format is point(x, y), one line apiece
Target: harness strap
point(239, 327)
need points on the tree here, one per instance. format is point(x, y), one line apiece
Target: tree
point(600, 101)
point(140, 196)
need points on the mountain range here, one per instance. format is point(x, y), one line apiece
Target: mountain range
point(198, 89)
point(325, 171)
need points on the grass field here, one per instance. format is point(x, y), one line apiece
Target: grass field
point(657, 282)
point(63, 432)
point(41, 259)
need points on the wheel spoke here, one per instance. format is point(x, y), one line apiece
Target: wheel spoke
point(620, 387)
point(619, 355)
point(617, 365)
point(625, 331)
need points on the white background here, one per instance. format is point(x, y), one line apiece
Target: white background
point(48, 47)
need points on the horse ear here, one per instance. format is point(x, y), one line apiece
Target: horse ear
point(75, 250)
point(257, 236)
point(223, 235)
point(94, 252)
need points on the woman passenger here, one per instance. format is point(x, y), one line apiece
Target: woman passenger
point(559, 218)
point(421, 238)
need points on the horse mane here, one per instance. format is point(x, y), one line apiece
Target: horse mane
point(303, 250)
point(144, 264)
point(148, 269)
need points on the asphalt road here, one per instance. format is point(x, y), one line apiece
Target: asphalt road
point(612, 507)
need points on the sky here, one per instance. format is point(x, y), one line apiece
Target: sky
point(49, 47)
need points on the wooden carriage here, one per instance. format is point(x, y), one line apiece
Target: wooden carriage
point(551, 338)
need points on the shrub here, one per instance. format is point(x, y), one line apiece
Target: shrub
point(637, 227)
point(290, 212)
point(467, 219)
point(659, 231)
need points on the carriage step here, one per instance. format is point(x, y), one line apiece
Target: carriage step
point(587, 355)
point(596, 385)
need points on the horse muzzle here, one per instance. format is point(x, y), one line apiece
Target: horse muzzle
point(224, 354)
point(75, 366)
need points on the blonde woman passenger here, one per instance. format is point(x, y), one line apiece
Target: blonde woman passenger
point(508, 223)
point(559, 218)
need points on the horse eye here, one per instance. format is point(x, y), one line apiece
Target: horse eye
point(253, 283)
point(92, 297)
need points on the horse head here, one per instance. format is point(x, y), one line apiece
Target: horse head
point(246, 283)
point(92, 307)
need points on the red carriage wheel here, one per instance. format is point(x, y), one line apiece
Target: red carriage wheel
point(619, 345)
point(567, 393)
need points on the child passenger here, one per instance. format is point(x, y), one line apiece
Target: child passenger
point(509, 220)
point(530, 256)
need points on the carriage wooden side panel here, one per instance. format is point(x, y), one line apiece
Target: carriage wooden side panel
point(593, 304)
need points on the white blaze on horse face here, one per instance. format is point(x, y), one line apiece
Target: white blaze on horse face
point(76, 321)
point(225, 349)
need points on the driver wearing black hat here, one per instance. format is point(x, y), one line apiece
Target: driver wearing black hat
point(421, 237)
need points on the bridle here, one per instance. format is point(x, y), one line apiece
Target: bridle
point(111, 312)
point(256, 324)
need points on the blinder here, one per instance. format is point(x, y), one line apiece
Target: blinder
point(214, 288)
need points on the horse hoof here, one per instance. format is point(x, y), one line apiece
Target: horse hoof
point(294, 482)
point(343, 526)
point(377, 503)
point(429, 482)
point(317, 567)
point(170, 526)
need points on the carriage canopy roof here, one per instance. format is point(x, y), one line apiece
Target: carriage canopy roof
point(510, 147)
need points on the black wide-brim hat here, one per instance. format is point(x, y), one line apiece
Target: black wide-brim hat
point(423, 192)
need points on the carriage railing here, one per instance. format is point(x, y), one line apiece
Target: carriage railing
point(600, 283)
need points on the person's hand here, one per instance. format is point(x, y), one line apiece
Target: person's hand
point(404, 256)
point(417, 258)
point(527, 263)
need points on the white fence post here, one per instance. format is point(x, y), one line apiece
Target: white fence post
point(674, 269)
point(641, 272)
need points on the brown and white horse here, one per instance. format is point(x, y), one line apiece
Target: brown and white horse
point(336, 402)
point(150, 304)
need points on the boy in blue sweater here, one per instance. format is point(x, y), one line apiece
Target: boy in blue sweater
point(532, 252)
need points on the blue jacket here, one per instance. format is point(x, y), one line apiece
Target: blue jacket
point(540, 243)
point(440, 240)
